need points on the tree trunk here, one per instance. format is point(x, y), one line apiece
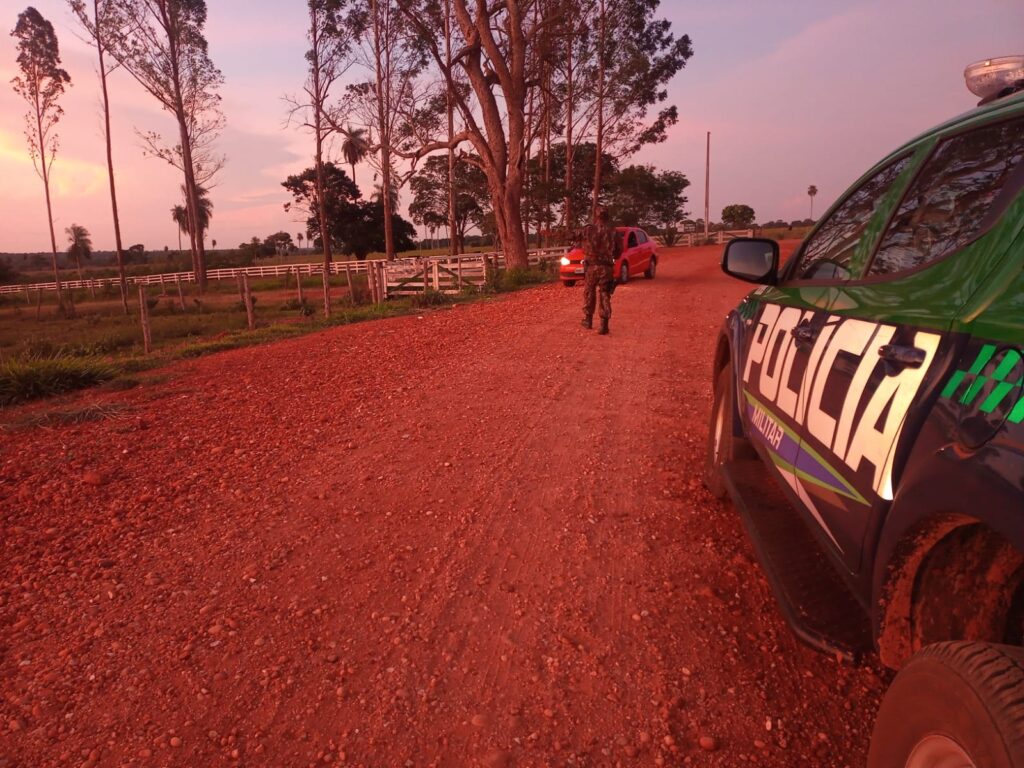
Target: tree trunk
point(191, 192)
point(49, 208)
point(454, 242)
point(568, 215)
point(319, 183)
point(382, 61)
point(118, 247)
point(599, 142)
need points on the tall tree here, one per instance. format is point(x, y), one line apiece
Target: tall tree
point(494, 43)
point(79, 245)
point(105, 23)
point(333, 24)
point(391, 102)
point(631, 73)
point(41, 84)
point(812, 192)
point(164, 48)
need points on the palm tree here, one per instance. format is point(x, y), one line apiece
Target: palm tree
point(811, 192)
point(180, 217)
point(355, 146)
point(80, 245)
point(299, 237)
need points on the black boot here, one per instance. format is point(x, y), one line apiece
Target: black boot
point(604, 326)
point(587, 322)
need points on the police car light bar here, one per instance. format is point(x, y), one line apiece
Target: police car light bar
point(992, 78)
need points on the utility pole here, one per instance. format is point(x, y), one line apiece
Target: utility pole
point(707, 186)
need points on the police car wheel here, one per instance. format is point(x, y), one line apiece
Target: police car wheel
point(953, 705)
point(624, 273)
point(568, 283)
point(720, 447)
point(651, 268)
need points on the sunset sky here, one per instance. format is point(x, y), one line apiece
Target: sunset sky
point(795, 92)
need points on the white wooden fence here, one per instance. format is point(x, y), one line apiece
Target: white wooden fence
point(402, 276)
point(719, 238)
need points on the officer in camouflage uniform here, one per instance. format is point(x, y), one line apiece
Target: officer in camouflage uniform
point(600, 250)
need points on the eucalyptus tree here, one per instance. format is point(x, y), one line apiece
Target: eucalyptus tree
point(630, 74)
point(333, 24)
point(493, 44)
point(393, 101)
point(102, 22)
point(41, 83)
point(163, 46)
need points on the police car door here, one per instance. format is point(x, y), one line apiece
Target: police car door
point(799, 352)
point(891, 348)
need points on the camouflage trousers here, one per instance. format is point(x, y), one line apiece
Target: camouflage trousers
point(596, 286)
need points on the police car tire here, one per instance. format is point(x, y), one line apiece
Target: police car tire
point(722, 401)
point(949, 696)
point(624, 273)
point(651, 268)
point(568, 283)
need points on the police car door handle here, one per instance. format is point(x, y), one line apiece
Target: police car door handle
point(902, 356)
point(804, 333)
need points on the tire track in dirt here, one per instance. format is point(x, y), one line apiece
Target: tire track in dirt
point(477, 537)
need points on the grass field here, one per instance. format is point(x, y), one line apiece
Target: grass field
point(44, 353)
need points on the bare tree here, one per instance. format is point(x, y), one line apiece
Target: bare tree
point(332, 26)
point(41, 84)
point(393, 103)
point(105, 22)
point(494, 43)
point(164, 48)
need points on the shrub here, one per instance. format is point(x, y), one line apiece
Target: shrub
point(28, 379)
point(431, 298)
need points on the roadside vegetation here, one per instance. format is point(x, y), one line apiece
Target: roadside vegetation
point(44, 353)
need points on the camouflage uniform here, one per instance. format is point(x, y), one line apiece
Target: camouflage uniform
point(599, 250)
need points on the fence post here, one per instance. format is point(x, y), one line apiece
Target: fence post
point(327, 292)
point(241, 289)
point(348, 282)
point(250, 314)
point(437, 276)
point(458, 262)
point(39, 302)
point(425, 278)
point(147, 334)
point(298, 285)
point(383, 267)
point(181, 296)
point(28, 299)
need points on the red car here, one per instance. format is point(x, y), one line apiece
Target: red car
point(638, 255)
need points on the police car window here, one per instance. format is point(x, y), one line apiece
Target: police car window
point(632, 239)
point(641, 237)
point(947, 204)
point(827, 255)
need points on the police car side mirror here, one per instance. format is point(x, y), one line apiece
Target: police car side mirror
point(755, 260)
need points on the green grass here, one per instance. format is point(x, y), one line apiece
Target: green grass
point(29, 379)
point(48, 354)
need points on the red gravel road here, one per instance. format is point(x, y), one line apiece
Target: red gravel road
point(477, 537)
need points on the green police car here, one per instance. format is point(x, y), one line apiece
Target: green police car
point(868, 423)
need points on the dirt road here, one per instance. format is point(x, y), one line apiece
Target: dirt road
point(478, 537)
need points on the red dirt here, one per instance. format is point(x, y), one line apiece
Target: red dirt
point(478, 537)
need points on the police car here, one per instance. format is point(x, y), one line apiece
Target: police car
point(868, 423)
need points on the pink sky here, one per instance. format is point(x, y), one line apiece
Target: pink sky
point(795, 92)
